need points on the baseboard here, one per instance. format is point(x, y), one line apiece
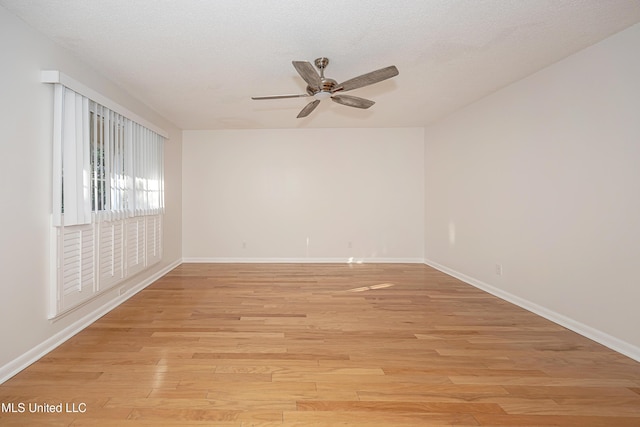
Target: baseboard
point(12, 368)
point(596, 335)
point(345, 260)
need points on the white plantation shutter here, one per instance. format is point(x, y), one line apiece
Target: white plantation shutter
point(75, 267)
point(94, 258)
point(111, 253)
point(136, 228)
point(154, 239)
point(108, 194)
point(78, 250)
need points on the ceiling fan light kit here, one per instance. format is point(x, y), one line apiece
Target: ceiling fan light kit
point(320, 87)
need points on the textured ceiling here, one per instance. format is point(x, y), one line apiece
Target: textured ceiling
point(198, 62)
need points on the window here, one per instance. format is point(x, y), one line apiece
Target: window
point(108, 198)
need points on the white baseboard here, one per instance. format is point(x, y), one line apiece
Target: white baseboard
point(345, 260)
point(12, 368)
point(596, 335)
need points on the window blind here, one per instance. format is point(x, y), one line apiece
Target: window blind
point(106, 166)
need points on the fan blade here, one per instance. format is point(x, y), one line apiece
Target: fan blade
point(352, 101)
point(368, 79)
point(308, 108)
point(302, 95)
point(308, 73)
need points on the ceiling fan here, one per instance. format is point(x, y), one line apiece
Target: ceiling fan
point(320, 87)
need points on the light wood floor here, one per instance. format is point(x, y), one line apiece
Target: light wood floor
point(325, 345)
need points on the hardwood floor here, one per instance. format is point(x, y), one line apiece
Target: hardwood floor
point(323, 345)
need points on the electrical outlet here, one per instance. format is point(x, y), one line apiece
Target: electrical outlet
point(244, 245)
point(349, 245)
point(499, 269)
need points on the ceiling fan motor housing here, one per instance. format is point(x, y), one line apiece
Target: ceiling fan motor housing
point(327, 86)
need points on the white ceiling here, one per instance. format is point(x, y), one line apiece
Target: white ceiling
point(198, 62)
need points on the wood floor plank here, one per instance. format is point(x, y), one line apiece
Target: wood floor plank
point(558, 420)
point(403, 407)
point(324, 345)
point(376, 419)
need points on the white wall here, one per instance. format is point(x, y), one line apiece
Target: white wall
point(273, 189)
point(25, 190)
point(543, 177)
